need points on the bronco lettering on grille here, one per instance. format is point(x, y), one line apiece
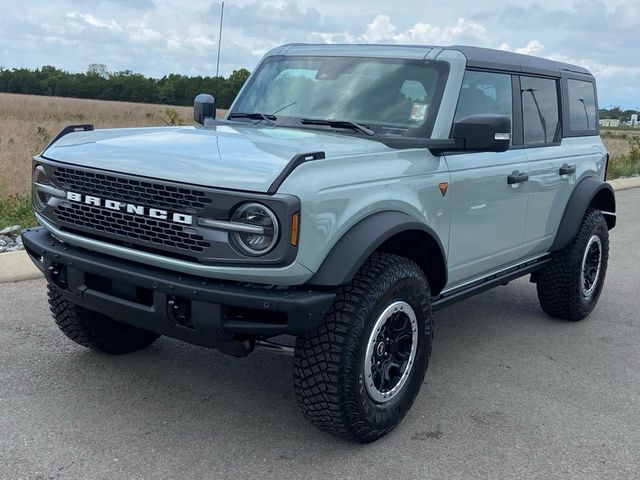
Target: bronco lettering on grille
point(131, 208)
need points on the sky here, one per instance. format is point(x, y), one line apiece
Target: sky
point(158, 37)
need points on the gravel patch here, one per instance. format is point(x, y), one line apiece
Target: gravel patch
point(10, 239)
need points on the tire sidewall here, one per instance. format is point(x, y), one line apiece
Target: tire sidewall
point(596, 227)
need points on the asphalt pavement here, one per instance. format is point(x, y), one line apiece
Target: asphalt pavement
point(510, 393)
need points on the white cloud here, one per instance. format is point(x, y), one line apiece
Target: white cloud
point(334, 37)
point(534, 47)
point(141, 33)
point(379, 29)
point(382, 30)
point(89, 19)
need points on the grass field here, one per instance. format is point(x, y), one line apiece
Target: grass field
point(27, 124)
point(624, 160)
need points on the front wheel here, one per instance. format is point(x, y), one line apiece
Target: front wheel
point(95, 330)
point(570, 285)
point(358, 373)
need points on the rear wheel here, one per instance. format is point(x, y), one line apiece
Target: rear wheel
point(570, 285)
point(359, 372)
point(95, 330)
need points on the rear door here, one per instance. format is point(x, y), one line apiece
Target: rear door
point(552, 162)
point(488, 215)
point(557, 163)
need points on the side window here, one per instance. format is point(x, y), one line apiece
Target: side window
point(582, 106)
point(539, 110)
point(484, 92)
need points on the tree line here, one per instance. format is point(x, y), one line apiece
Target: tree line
point(126, 86)
point(616, 113)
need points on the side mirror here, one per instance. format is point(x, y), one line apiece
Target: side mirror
point(483, 132)
point(204, 107)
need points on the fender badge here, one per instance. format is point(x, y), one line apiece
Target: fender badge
point(443, 187)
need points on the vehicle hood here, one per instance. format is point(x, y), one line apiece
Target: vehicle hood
point(227, 156)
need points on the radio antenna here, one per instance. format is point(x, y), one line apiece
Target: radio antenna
point(219, 42)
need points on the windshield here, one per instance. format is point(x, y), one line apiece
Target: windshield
point(395, 97)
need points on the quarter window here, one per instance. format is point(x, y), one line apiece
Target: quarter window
point(484, 92)
point(539, 110)
point(582, 106)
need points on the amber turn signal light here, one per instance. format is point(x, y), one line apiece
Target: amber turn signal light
point(295, 228)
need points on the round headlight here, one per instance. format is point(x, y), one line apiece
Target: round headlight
point(40, 197)
point(265, 237)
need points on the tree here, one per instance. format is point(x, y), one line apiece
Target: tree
point(167, 94)
point(230, 87)
point(97, 70)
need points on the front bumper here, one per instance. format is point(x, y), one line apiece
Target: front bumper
point(198, 310)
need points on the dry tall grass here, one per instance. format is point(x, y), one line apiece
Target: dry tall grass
point(615, 139)
point(28, 122)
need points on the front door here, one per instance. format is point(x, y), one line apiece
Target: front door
point(488, 213)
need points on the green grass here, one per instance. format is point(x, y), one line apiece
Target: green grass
point(16, 210)
point(624, 167)
point(627, 165)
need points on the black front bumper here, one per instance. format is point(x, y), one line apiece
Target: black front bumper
point(197, 310)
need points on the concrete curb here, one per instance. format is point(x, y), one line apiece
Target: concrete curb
point(17, 266)
point(624, 183)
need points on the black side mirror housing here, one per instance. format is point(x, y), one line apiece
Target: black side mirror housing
point(483, 132)
point(204, 107)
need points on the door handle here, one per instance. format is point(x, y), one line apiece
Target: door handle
point(517, 177)
point(567, 169)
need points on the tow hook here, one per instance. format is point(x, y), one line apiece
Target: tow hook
point(179, 311)
point(58, 275)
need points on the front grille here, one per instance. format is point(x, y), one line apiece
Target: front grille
point(137, 191)
point(141, 229)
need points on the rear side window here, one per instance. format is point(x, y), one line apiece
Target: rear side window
point(539, 110)
point(582, 106)
point(484, 92)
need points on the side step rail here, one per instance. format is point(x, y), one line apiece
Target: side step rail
point(456, 295)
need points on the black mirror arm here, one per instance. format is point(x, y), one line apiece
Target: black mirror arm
point(440, 147)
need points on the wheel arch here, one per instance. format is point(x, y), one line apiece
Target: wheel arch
point(590, 192)
point(391, 232)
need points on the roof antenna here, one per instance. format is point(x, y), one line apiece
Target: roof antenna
point(219, 42)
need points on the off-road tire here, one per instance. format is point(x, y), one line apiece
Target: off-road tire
point(559, 283)
point(95, 330)
point(329, 362)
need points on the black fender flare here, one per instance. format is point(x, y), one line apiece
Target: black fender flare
point(590, 191)
point(362, 239)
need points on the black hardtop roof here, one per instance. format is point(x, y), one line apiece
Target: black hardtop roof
point(504, 60)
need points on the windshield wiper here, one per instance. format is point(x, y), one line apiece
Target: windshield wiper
point(339, 124)
point(254, 116)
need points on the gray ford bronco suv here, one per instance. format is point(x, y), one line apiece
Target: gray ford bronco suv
point(350, 192)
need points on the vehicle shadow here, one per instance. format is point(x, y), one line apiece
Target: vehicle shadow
point(190, 399)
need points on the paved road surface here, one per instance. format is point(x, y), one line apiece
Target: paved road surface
point(510, 393)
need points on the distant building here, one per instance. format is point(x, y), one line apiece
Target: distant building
point(611, 122)
point(634, 120)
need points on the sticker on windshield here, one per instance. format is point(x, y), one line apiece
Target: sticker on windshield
point(418, 111)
